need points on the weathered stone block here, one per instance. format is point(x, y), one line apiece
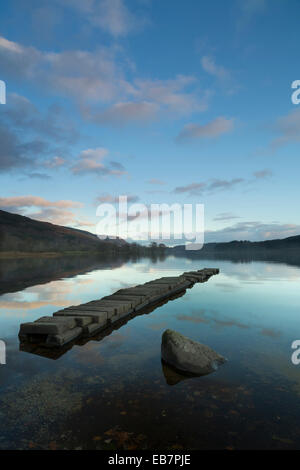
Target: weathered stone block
point(47, 325)
point(119, 306)
point(80, 320)
point(96, 317)
point(94, 327)
point(124, 298)
point(61, 340)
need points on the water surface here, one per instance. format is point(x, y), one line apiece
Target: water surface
point(114, 393)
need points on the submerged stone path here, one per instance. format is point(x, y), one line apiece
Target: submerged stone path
point(88, 319)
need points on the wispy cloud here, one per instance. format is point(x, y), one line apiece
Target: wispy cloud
point(112, 16)
point(263, 174)
point(38, 208)
point(156, 181)
point(109, 198)
point(55, 162)
point(223, 76)
point(209, 65)
point(288, 129)
point(39, 176)
point(225, 216)
point(148, 100)
point(91, 161)
point(216, 184)
point(21, 202)
point(102, 84)
point(124, 113)
point(247, 10)
point(211, 130)
point(253, 231)
point(208, 187)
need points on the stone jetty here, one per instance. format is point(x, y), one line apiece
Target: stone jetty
point(86, 320)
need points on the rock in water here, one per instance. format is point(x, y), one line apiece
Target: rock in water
point(187, 355)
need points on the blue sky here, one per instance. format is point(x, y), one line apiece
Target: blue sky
point(164, 101)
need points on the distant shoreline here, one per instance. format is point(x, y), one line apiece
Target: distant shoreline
point(44, 254)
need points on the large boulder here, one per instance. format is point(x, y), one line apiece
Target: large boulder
point(189, 356)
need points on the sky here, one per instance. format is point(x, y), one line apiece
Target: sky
point(167, 102)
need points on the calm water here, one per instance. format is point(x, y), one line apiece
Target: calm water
point(115, 394)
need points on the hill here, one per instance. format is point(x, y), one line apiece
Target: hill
point(244, 246)
point(22, 234)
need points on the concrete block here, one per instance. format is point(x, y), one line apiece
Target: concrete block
point(134, 292)
point(195, 274)
point(47, 326)
point(167, 280)
point(93, 328)
point(134, 300)
point(96, 306)
point(211, 271)
point(116, 317)
point(164, 286)
point(119, 306)
point(89, 310)
point(61, 340)
point(148, 291)
point(80, 320)
point(96, 317)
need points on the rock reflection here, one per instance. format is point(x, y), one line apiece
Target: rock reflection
point(174, 376)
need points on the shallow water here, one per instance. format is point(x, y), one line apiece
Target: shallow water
point(113, 393)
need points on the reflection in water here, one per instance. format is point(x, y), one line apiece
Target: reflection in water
point(113, 392)
point(174, 376)
point(288, 257)
point(19, 273)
